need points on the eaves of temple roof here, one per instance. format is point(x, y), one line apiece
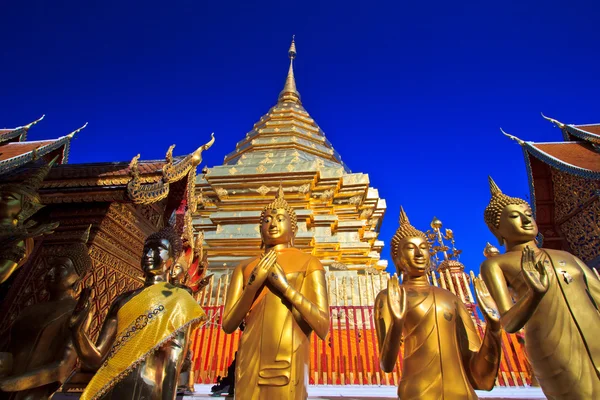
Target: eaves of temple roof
point(579, 158)
point(14, 154)
point(18, 134)
point(587, 132)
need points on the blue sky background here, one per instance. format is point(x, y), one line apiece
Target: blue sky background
point(412, 93)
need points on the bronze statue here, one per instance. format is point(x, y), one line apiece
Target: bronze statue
point(19, 200)
point(443, 355)
point(282, 295)
point(551, 293)
point(41, 345)
point(144, 338)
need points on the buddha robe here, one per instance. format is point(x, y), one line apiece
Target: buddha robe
point(561, 337)
point(274, 350)
point(439, 335)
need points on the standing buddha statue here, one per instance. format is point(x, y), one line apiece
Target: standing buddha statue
point(19, 200)
point(144, 338)
point(444, 357)
point(282, 296)
point(41, 346)
point(551, 293)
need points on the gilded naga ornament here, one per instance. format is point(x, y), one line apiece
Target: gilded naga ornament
point(145, 336)
point(19, 200)
point(443, 355)
point(41, 346)
point(551, 293)
point(282, 297)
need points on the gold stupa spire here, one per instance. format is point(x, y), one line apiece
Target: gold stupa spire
point(289, 92)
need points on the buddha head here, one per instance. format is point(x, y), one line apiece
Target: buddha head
point(278, 222)
point(410, 249)
point(161, 249)
point(68, 263)
point(510, 219)
point(19, 198)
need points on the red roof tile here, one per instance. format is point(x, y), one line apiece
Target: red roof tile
point(573, 153)
point(593, 129)
point(15, 149)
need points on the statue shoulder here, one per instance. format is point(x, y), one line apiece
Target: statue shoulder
point(381, 297)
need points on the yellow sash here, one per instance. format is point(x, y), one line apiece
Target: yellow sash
point(145, 322)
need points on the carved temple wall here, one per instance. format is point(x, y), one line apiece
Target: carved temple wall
point(116, 240)
point(577, 214)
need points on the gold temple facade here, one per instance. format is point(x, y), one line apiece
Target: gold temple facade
point(339, 213)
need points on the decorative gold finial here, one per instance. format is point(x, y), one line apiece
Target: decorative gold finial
point(490, 250)
point(280, 192)
point(403, 220)
point(436, 223)
point(289, 92)
point(508, 135)
point(494, 189)
point(555, 122)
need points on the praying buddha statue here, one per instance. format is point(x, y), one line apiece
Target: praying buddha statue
point(40, 342)
point(551, 293)
point(282, 296)
point(444, 357)
point(19, 200)
point(144, 339)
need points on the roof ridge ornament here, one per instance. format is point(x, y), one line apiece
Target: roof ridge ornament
point(554, 121)
point(289, 92)
point(512, 137)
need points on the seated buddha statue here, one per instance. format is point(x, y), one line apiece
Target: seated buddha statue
point(444, 357)
point(282, 296)
point(144, 338)
point(19, 200)
point(40, 343)
point(551, 293)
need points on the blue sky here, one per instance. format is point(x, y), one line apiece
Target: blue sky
point(412, 93)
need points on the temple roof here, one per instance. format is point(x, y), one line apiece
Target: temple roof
point(288, 130)
point(578, 154)
point(18, 134)
point(15, 151)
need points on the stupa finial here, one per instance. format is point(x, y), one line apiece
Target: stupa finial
point(289, 92)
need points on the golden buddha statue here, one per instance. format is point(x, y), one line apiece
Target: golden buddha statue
point(41, 345)
point(551, 293)
point(444, 357)
point(282, 296)
point(19, 200)
point(144, 338)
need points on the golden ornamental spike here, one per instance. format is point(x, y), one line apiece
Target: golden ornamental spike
point(553, 121)
point(494, 189)
point(403, 217)
point(280, 192)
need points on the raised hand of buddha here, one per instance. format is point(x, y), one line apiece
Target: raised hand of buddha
point(261, 271)
point(277, 279)
point(396, 299)
point(82, 309)
point(534, 272)
point(487, 305)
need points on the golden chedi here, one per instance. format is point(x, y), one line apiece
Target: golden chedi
point(41, 346)
point(552, 294)
point(282, 297)
point(144, 338)
point(444, 357)
point(19, 200)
